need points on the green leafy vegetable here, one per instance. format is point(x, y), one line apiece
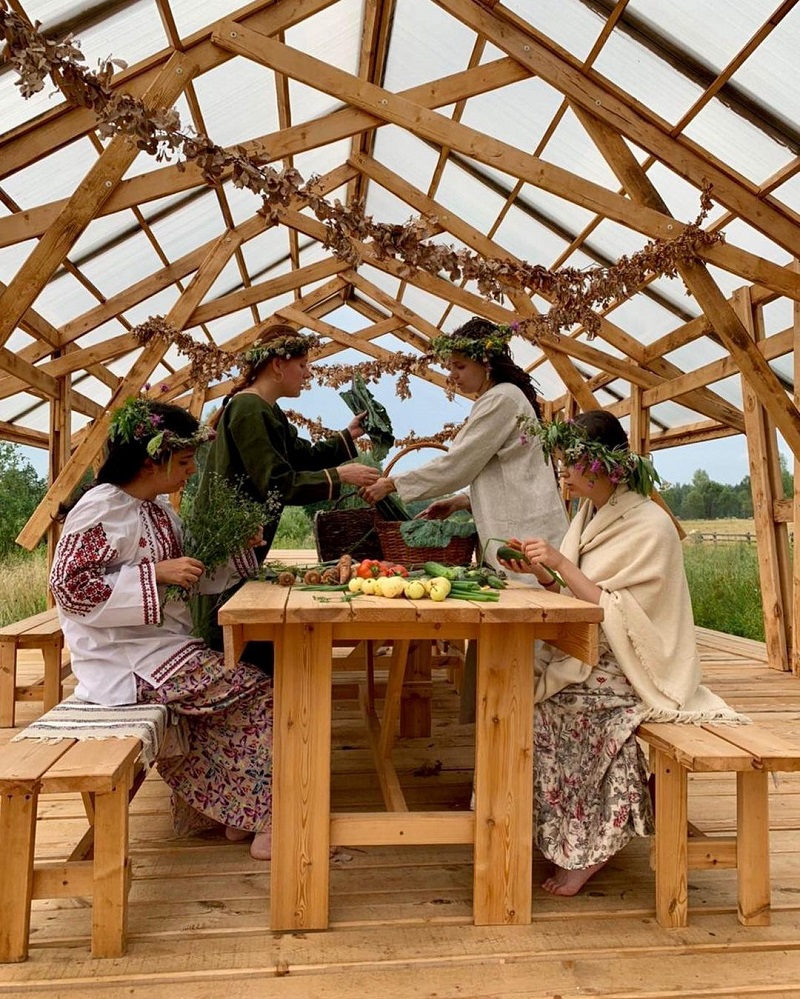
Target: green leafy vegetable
point(376, 423)
point(435, 533)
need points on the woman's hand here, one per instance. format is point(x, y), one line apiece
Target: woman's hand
point(513, 564)
point(356, 474)
point(257, 539)
point(441, 509)
point(183, 571)
point(378, 490)
point(541, 552)
point(355, 427)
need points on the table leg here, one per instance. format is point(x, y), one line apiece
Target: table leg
point(504, 776)
point(415, 707)
point(301, 778)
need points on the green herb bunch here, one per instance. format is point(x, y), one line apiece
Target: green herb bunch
point(224, 525)
point(571, 444)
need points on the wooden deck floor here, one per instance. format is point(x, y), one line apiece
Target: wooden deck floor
point(401, 918)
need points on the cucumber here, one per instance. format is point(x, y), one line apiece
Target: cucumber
point(509, 554)
point(451, 572)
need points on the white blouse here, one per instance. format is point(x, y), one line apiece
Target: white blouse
point(111, 608)
point(513, 492)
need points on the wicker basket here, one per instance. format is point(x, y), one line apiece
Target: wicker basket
point(457, 552)
point(351, 532)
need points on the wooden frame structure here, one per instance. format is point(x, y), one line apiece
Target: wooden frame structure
point(733, 286)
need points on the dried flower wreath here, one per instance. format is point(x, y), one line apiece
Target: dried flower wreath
point(478, 348)
point(590, 457)
point(136, 421)
point(283, 346)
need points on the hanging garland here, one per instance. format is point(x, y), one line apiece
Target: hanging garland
point(574, 293)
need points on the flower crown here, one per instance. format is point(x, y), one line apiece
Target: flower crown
point(478, 348)
point(294, 345)
point(136, 421)
point(591, 457)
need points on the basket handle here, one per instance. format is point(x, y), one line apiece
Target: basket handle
point(416, 446)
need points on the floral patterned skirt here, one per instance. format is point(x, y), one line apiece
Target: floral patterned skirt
point(590, 774)
point(225, 775)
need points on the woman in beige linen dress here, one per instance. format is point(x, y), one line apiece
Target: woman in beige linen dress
point(622, 552)
point(507, 485)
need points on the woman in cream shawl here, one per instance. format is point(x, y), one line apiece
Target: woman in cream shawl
point(621, 551)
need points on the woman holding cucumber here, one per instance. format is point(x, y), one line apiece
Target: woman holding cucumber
point(508, 486)
point(622, 552)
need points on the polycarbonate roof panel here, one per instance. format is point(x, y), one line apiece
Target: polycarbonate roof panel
point(408, 156)
point(238, 101)
point(769, 76)
point(518, 114)
point(426, 43)
point(740, 145)
point(569, 23)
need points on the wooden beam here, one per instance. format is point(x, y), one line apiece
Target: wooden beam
point(23, 435)
point(499, 155)
point(82, 207)
point(638, 124)
point(140, 371)
point(53, 129)
point(330, 128)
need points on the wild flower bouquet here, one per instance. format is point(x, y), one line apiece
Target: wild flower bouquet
point(224, 525)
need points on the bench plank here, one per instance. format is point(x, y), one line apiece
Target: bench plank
point(695, 748)
point(772, 751)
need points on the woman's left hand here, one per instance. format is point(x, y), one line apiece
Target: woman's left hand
point(355, 428)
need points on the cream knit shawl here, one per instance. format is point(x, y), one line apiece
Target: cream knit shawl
point(631, 550)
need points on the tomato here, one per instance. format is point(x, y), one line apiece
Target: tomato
point(398, 570)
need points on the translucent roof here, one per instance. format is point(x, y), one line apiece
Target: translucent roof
point(500, 141)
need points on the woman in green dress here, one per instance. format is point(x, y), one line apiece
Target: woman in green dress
point(257, 447)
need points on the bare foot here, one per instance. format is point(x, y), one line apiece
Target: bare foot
point(564, 882)
point(261, 847)
point(237, 835)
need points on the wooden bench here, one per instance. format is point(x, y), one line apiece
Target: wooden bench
point(752, 753)
point(41, 631)
point(107, 772)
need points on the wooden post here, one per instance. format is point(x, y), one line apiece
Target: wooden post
point(796, 498)
point(60, 434)
point(772, 540)
point(415, 706)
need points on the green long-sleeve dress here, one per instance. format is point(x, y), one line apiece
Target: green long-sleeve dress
point(259, 449)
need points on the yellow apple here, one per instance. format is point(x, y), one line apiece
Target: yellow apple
point(355, 585)
point(440, 587)
point(414, 589)
point(369, 586)
point(390, 586)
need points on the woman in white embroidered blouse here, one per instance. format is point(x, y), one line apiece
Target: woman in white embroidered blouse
point(119, 550)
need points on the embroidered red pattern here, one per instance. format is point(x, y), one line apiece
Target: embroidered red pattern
point(77, 579)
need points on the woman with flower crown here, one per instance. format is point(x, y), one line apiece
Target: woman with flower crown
point(509, 488)
point(120, 549)
point(257, 447)
point(622, 552)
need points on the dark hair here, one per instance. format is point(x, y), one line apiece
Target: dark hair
point(249, 370)
point(603, 427)
point(124, 459)
point(502, 368)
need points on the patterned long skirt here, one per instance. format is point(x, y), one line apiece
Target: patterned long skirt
point(225, 775)
point(590, 774)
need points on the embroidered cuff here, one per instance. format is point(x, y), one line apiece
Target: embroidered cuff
point(151, 608)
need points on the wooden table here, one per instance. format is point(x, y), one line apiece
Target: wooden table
point(303, 625)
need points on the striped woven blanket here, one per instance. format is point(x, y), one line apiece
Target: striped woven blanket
point(76, 719)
